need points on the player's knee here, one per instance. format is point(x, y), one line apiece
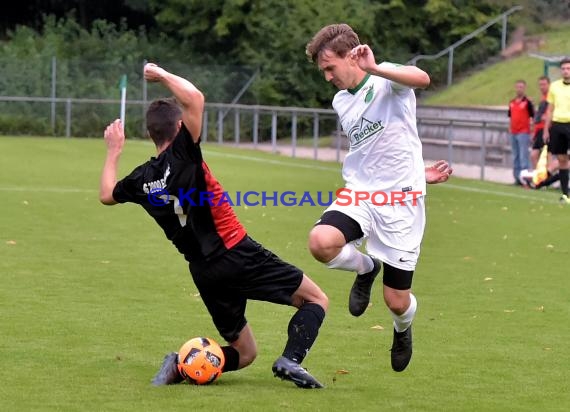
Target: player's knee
point(316, 242)
point(313, 294)
point(247, 356)
point(397, 306)
point(320, 245)
point(398, 302)
point(322, 300)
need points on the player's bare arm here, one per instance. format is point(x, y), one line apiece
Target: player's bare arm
point(410, 76)
point(547, 123)
point(115, 140)
point(188, 95)
point(439, 172)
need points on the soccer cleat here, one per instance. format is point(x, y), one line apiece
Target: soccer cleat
point(168, 373)
point(565, 200)
point(360, 293)
point(290, 370)
point(401, 349)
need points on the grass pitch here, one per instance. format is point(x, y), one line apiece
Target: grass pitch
point(92, 297)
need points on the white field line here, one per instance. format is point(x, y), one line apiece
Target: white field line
point(46, 189)
point(338, 170)
point(281, 163)
point(500, 194)
point(273, 162)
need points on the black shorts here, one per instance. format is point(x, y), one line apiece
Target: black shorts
point(559, 138)
point(349, 227)
point(538, 141)
point(246, 271)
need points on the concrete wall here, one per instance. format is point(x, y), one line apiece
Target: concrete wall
point(470, 135)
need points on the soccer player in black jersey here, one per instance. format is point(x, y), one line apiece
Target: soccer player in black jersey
point(227, 266)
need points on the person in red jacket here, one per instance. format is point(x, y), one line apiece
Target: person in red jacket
point(521, 113)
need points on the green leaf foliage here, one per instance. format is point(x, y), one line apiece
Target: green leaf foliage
point(222, 44)
point(271, 35)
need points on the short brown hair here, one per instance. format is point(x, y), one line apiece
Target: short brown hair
point(162, 118)
point(565, 60)
point(338, 38)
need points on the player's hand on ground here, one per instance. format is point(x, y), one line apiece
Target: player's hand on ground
point(153, 73)
point(115, 136)
point(364, 57)
point(438, 172)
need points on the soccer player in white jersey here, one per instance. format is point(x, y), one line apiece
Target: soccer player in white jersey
point(385, 178)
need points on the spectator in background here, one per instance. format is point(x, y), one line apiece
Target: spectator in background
point(521, 113)
point(557, 124)
point(537, 139)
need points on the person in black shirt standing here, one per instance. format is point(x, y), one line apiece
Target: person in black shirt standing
point(227, 266)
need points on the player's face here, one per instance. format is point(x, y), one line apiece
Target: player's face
point(543, 86)
point(565, 71)
point(340, 71)
point(520, 88)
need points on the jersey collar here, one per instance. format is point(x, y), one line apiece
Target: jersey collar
point(359, 86)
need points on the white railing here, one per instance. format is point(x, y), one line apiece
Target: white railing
point(452, 135)
point(450, 50)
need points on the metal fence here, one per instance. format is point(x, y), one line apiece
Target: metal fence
point(475, 139)
point(84, 91)
point(472, 142)
point(451, 50)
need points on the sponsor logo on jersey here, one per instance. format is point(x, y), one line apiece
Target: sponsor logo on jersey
point(156, 184)
point(362, 131)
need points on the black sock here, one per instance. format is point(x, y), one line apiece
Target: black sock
point(551, 179)
point(564, 180)
point(303, 330)
point(232, 359)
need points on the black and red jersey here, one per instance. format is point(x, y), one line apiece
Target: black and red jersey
point(542, 106)
point(192, 213)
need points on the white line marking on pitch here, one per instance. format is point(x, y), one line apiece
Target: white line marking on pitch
point(281, 163)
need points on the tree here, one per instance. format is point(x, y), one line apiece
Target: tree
point(270, 35)
point(31, 13)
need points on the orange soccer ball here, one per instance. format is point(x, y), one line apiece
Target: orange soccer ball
point(200, 361)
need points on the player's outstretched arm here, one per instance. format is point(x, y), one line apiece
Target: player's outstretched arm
point(188, 95)
point(410, 76)
point(438, 172)
point(114, 139)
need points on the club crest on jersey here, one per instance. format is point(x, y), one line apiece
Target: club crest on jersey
point(360, 132)
point(369, 93)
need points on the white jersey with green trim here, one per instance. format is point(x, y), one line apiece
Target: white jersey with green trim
point(379, 119)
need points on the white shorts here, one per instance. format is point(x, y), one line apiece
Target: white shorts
point(393, 233)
